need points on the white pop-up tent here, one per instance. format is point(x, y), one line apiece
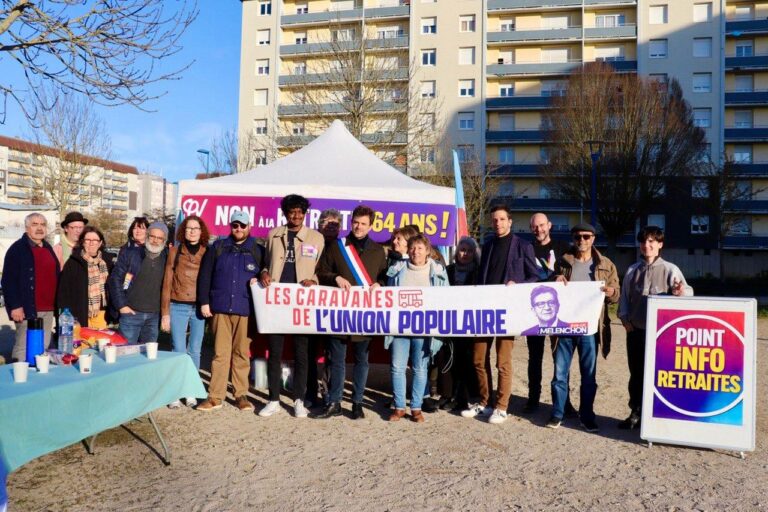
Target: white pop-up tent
point(333, 166)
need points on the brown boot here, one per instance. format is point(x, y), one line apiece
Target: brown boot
point(416, 416)
point(209, 405)
point(397, 414)
point(243, 404)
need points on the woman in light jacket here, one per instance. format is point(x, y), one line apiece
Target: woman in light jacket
point(421, 271)
point(179, 305)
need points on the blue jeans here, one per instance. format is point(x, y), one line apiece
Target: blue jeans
point(419, 351)
point(181, 316)
point(143, 327)
point(338, 349)
point(587, 348)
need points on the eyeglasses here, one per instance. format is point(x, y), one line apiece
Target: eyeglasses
point(547, 304)
point(92, 240)
point(238, 225)
point(331, 225)
point(157, 238)
point(189, 228)
point(582, 236)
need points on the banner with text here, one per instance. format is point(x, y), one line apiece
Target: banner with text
point(535, 309)
point(437, 221)
point(700, 372)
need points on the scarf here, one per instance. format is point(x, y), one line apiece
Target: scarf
point(97, 277)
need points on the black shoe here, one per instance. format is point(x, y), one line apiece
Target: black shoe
point(554, 422)
point(331, 410)
point(447, 404)
point(530, 407)
point(590, 425)
point(632, 422)
point(429, 405)
point(570, 410)
point(357, 412)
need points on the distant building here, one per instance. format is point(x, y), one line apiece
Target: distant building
point(156, 195)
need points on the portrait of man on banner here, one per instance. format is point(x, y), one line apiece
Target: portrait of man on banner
point(545, 304)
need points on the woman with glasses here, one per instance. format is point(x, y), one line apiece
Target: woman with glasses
point(179, 306)
point(82, 285)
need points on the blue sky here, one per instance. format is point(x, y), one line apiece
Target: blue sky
point(196, 108)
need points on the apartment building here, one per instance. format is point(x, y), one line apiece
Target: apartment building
point(493, 67)
point(156, 196)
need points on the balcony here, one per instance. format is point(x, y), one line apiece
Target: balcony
point(335, 109)
point(525, 204)
point(398, 11)
point(387, 42)
point(514, 170)
point(313, 48)
point(520, 102)
point(544, 34)
point(745, 242)
point(746, 98)
point(518, 136)
point(496, 5)
point(752, 62)
point(17, 195)
point(387, 139)
point(747, 206)
point(621, 32)
point(749, 27)
point(752, 133)
point(751, 169)
point(22, 159)
point(553, 68)
point(321, 17)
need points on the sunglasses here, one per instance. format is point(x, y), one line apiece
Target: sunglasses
point(582, 237)
point(238, 225)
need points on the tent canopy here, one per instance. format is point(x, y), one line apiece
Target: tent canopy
point(333, 166)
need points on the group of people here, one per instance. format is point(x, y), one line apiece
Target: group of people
point(153, 284)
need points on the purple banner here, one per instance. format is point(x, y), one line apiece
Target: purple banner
point(437, 221)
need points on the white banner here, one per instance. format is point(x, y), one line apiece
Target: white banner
point(522, 309)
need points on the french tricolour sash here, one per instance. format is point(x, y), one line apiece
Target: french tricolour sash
point(355, 264)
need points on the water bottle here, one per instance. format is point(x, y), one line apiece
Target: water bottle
point(66, 331)
point(35, 339)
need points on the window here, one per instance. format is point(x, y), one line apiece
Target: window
point(345, 34)
point(265, 7)
point(554, 55)
point(506, 188)
point(609, 53)
point(429, 57)
point(507, 155)
point(467, 88)
point(699, 189)
point(429, 25)
point(742, 154)
point(702, 117)
point(743, 119)
point(743, 12)
point(705, 153)
point(467, 23)
point(428, 120)
point(466, 152)
point(702, 13)
point(466, 120)
point(506, 122)
point(656, 219)
point(702, 82)
point(300, 68)
point(428, 1)
point(428, 89)
point(743, 83)
point(297, 129)
point(507, 25)
point(300, 37)
point(609, 20)
point(341, 5)
point(552, 88)
point(556, 22)
point(506, 90)
point(702, 46)
point(260, 126)
point(302, 8)
point(740, 226)
point(260, 97)
point(506, 57)
point(262, 36)
point(657, 15)
point(657, 49)
point(261, 157)
point(744, 48)
point(743, 190)
point(427, 154)
point(699, 224)
point(262, 66)
point(467, 56)
point(390, 32)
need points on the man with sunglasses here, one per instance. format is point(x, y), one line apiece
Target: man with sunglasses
point(583, 263)
point(227, 271)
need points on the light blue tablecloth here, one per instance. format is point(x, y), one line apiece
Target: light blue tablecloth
point(54, 410)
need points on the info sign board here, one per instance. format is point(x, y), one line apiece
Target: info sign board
point(699, 383)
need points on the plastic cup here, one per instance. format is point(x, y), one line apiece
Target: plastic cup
point(42, 361)
point(103, 342)
point(151, 350)
point(20, 370)
point(84, 362)
point(110, 354)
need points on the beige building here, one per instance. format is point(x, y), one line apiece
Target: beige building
point(490, 69)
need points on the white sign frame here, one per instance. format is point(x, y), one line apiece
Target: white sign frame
point(739, 438)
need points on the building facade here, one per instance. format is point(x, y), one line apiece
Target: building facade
point(491, 69)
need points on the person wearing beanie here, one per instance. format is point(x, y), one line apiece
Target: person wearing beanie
point(136, 283)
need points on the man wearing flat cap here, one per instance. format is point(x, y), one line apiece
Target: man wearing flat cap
point(72, 226)
point(582, 262)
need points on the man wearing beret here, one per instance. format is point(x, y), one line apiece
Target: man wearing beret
point(72, 225)
point(582, 262)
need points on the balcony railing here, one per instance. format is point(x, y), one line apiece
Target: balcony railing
point(746, 133)
point(750, 62)
point(518, 102)
point(504, 68)
point(622, 31)
point(526, 204)
point(514, 170)
point(746, 97)
point(535, 35)
point(750, 169)
point(754, 26)
point(367, 138)
point(533, 4)
point(396, 11)
point(503, 136)
point(334, 108)
point(340, 76)
point(747, 205)
point(745, 242)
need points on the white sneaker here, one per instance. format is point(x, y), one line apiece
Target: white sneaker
point(299, 410)
point(175, 404)
point(476, 410)
point(270, 409)
point(498, 417)
point(191, 402)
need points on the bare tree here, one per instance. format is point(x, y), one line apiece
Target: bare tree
point(108, 50)
point(649, 137)
point(112, 224)
point(231, 153)
point(74, 146)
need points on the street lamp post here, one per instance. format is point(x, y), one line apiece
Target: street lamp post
point(595, 151)
point(207, 160)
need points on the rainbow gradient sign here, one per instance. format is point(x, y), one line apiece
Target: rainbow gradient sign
point(700, 372)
